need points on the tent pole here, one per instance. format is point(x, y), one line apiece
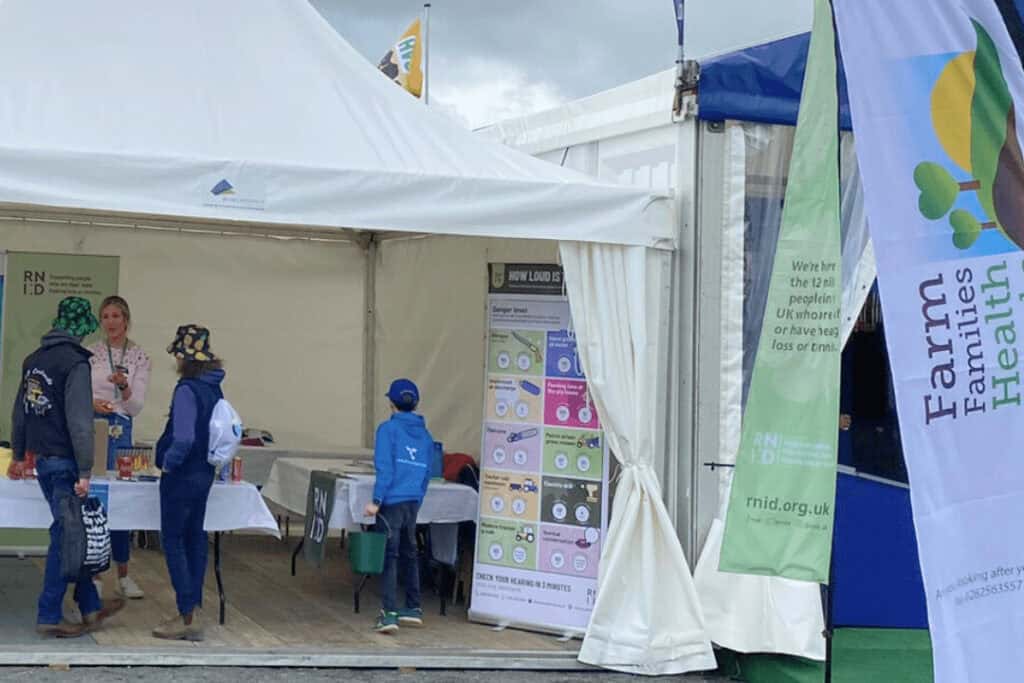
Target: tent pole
point(684, 456)
point(369, 242)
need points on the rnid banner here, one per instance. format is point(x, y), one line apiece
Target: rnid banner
point(34, 284)
point(781, 504)
point(936, 88)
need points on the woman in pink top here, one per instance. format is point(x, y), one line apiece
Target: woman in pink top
point(120, 373)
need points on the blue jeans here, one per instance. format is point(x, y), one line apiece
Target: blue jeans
point(401, 554)
point(120, 541)
point(182, 513)
point(57, 478)
point(121, 546)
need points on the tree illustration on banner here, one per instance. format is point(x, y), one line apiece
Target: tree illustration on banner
point(974, 120)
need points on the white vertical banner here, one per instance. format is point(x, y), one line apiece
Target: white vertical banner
point(543, 464)
point(934, 89)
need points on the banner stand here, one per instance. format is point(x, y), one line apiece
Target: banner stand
point(543, 464)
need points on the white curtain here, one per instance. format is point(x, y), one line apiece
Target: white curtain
point(646, 619)
point(750, 613)
point(743, 612)
point(858, 249)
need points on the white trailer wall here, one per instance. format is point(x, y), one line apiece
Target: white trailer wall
point(432, 323)
point(627, 135)
point(285, 315)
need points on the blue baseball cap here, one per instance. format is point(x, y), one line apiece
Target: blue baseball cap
point(404, 394)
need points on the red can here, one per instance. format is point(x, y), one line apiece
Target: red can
point(28, 468)
point(124, 467)
point(236, 469)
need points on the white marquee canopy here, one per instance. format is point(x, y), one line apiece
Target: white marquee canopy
point(258, 111)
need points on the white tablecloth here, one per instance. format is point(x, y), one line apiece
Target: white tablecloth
point(257, 461)
point(136, 506)
point(288, 485)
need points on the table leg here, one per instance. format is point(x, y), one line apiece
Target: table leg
point(217, 572)
point(444, 589)
point(298, 549)
point(359, 589)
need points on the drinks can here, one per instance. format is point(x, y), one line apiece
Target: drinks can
point(124, 466)
point(236, 469)
point(28, 469)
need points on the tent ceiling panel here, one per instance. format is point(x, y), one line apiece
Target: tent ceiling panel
point(260, 112)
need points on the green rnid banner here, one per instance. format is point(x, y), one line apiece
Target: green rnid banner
point(34, 284)
point(780, 515)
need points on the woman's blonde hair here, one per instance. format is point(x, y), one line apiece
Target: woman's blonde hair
point(121, 305)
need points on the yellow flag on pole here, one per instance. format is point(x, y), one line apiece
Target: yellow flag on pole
point(403, 63)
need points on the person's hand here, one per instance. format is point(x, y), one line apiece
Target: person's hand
point(102, 407)
point(371, 509)
point(16, 470)
point(82, 487)
point(120, 380)
point(844, 422)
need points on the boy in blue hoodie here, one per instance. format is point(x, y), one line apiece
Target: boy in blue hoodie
point(402, 451)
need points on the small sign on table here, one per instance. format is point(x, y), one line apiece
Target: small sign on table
point(319, 506)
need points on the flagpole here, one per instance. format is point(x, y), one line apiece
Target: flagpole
point(677, 102)
point(426, 53)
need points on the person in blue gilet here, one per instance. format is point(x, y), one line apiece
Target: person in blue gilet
point(187, 476)
point(401, 457)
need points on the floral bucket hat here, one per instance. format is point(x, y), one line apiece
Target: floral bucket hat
point(192, 342)
point(74, 316)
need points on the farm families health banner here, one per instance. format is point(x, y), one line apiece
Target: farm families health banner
point(544, 463)
point(936, 88)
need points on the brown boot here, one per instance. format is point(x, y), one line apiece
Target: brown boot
point(194, 629)
point(175, 628)
point(62, 630)
point(109, 608)
point(171, 628)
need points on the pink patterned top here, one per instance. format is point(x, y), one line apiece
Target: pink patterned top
point(138, 364)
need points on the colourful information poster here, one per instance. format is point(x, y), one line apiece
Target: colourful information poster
point(544, 464)
point(34, 285)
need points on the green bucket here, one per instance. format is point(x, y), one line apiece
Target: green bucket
point(366, 551)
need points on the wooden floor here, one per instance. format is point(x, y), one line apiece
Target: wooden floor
point(269, 609)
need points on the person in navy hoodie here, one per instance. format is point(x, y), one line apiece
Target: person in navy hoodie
point(402, 451)
point(181, 454)
point(52, 419)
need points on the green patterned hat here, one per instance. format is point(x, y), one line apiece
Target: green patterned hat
point(74, 316)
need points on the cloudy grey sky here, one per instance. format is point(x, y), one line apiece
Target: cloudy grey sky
point(492, 60)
